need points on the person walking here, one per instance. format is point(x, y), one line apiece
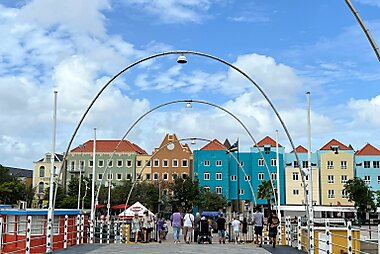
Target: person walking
point(176, 223)
point(244, 230)
point(236, 228)
point(221, 224)
point(258, 220)
point(197, 221)
point(188, 225)
point(160, 228)
point(147, 226)
point(273, 223)
point(136, 226)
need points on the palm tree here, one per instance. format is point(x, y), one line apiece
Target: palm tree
point(265, 191)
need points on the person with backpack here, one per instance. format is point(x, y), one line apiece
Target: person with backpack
point(273, 223)
point(258, 220)
point(188, 225)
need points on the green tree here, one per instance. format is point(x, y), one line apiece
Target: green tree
point(265, 191)
point(360, 193)
point(11, 189)
point(186, 192)
point(378, 198)
point(211, 201)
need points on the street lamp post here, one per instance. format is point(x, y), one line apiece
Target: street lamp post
point(81, 147)
point(92, 217)
point(310, 182)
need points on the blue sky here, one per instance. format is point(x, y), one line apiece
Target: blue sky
point(287, 47)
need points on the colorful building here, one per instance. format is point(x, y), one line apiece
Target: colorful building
point(336, 162)
point(143, 167)
point(367, 163)
point(295, 194)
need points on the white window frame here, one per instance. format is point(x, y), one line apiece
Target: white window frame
point(218, 189)
point(156, 176)
point(218, 176)
point(343, 164)
point(343, 179)
point(367, 179)
point(296, 192)
point(206, 163)
point(110, 163)
point(174, 174)
point(90, 163)
point(72, 165)
point(43, 170)
point(241, 191)
point(206, 176)
point(344, 193)
point(165, 176)
point(331, 194)
point(182, 163)
point(330, 164)
point(119, 178)
point(82, 164)
point(305, 164)
point(376, 164)
point(184, 175)
point(138, 163)
point(109, 176)
point(378, 179)
point(295, 176)
point(129, 164)
point(366, 164)
point(206, 188)
point(165, 163)
point(100, 162)
point(247, 178)
point(156, 163)
point(100, 176)
point(119, 163)
point(148, 178)
point(330, 179)
point(175, 163)
point(273, 176)
point(260, 176)
point(260, 162)
point(273, 162)
point(233, 178)
point(218, 163)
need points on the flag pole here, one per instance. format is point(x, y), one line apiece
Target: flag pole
point(238, 179)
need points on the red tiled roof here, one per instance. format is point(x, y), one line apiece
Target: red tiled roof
point(368, 149)
point(108, 146)
point(300, 149)
point(214, 145)
point(267, 141)
point(335, 142)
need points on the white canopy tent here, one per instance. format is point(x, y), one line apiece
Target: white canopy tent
point(133, 209)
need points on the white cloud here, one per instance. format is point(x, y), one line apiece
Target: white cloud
point(366, 110)
point(370, 2)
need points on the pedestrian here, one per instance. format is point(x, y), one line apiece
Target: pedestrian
point(273, 223)
point(188, 225)
point(197, 221)
point(147, 226)
point(160, 227)
point(221, 225)
point(258, 220)
point(244, 229)
point(176, 223)
point(136, 226)
point(166, 229)
point(236, 228)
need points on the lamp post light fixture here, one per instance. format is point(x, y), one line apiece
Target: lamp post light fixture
point(182, 59)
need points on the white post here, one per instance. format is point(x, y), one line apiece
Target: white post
point(115, 231)
point(50, 221)
point(108, 231)
point(109, 198)
point(78, 229)
point(299, 233)
point(28, 234)
point(101, 232)
point(378, 239)
point(65, 232)
point(121, 225)
point(349, 237)
point(278, 190)
point(310, 183)
point(92, 218)
point(1, 232)
point(329, 238)
point(82, 229)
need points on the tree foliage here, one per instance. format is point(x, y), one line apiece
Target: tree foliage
point(265, 191)
point(359, 193)
point(186, 193)
point(211, 201)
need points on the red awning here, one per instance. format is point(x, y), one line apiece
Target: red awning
point(99, 206)
point(121, 206)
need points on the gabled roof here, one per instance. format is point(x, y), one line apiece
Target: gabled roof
point(368, 149)
point(214, 145)
point(227, 143)
point(58, 157)
point(20, 172)
point(267, 141)
point(108, 146)
point(300, 149)
point(335, 142)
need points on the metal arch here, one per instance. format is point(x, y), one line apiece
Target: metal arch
point(190, 139)
point(190, 101)
point(194, 53)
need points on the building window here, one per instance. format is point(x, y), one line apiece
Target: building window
point(261, 162)
point(260, 176)
point(129, 163)
point(184, 175)
point(155, 176)
point(367, 179)
point(206, 176)
point(330, 179)
point(273, 162)
point(344, 194)
point(174, 176)
point(233, 178)
point(129, 176)
point(367, 164)
point(307, 178)
point(219, 163)
point(343, 179)
point(184, 163)
point(376, 164)
point(247, 178)
point(91, 163)
point(266, 150)
point(41, 188)
point(296, 192)
point(81, 165)
point(206, 188)
point(72, 165)
point(119, 163)
point(378, 179)
point(100, 163)
point(110, 163)
point(218, 189)
point(147, 176)
point(110, 176)
point(119, 176)
point(11, 224)
point(331, 194)
point(175, 163)
point(218, 176)
point(343, 164)
point(295, 176)
point(156, 163)
point(42, 171)
point(90, 176)
point(241, 191)
point(274, 176)
point(305, 164)
point(147, 163)
point(207, 163)
point(295, 163)
point(165, 163)
point(100, 176)
point(139, 163)
point(165, 176)
point(330, 165)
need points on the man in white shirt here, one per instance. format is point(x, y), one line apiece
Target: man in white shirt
point(188, 225)
point(236, 228)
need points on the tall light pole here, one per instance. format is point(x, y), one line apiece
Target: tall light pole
point(81, 147)
point(310, 223)
point(109, 199)
point(50, 217)
point(92, 217)
point(278, 188)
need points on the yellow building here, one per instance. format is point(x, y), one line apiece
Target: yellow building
point(336, 162)
point(41, 175)
point(295, 194)
point(143, 167)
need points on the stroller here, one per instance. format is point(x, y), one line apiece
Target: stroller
point(204, 232)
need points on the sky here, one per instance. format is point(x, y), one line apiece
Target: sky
point(287, 47)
